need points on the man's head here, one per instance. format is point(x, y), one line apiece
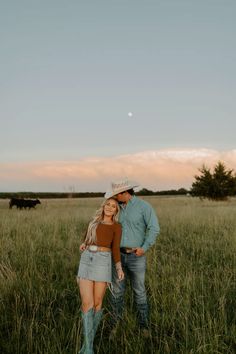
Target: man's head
point(121, 190)
point(125, 196)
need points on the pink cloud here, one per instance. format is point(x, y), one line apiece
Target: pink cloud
point(160, 169)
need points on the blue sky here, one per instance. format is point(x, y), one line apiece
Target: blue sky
point(72, 70)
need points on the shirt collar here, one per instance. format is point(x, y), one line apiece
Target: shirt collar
point(131, 201)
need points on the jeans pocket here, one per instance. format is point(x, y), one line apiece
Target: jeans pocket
point(104, 254)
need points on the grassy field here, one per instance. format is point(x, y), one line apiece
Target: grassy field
point(191, 280)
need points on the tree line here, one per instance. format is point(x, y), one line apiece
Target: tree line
point(58, 195)
point(216, 185)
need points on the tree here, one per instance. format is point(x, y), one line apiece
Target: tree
point(145, 191)
point(217, 185)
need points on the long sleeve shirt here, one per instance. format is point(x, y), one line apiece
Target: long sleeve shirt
point(109, 236)
point(139, 222)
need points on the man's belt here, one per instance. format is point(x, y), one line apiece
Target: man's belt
point(94, 248)
point(127, 250)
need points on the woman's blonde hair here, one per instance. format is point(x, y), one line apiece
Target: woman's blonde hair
point(90, 237)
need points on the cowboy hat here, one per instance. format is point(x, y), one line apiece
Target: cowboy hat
point(119, 187)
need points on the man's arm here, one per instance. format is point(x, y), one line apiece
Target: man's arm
point(152, 227)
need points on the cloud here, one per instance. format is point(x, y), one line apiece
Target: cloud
point(156, 170)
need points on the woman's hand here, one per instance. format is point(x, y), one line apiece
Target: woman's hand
point(119, 271)
point(120, 274)
point(82, 247)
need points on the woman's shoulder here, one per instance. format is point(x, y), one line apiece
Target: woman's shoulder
point(117, 225)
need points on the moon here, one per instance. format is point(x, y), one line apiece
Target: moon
point(130, 114)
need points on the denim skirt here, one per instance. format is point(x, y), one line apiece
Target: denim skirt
point(95, 266)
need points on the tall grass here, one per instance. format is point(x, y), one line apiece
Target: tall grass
point(191, 280)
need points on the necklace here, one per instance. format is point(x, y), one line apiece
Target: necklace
point(107, 223)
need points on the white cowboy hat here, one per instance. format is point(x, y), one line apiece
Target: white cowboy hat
point(119, 187)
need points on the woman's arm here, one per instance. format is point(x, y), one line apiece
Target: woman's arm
point(116, 251)
point(82, 247)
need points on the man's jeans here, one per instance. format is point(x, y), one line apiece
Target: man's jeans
point(134, 267)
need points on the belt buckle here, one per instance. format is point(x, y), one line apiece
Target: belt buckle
point(127, 250)
point(93, 248)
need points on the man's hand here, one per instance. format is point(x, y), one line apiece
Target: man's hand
point(139, 251)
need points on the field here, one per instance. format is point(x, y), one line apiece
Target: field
point(191, 280)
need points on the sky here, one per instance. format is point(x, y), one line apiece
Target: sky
point(72, 70)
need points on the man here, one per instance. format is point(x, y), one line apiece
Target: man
point(140, 228)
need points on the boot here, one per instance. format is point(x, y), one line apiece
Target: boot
point(88, 323)
point(97, 319)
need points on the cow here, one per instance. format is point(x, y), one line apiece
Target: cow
point(23, 203)
point(29, 203)
point(19, 203)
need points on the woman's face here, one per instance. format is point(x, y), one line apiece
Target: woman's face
point(110, 208)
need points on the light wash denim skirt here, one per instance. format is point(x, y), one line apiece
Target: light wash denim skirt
point(95, 266)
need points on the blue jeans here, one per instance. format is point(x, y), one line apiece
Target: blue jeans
point(134, 267)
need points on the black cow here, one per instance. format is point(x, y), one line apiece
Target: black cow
point(29, 203)
point(19, 203)
point(23, 203)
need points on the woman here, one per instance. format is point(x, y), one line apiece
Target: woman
point(101, 241)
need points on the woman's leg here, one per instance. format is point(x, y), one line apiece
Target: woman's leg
point(99, 292)
point(87, 298)
point(86, 288)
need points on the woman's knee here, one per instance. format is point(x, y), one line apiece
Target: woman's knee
point(98, 303)
point(87, 305)
point(98, 306)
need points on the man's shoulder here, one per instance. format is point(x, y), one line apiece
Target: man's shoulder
point(142, 205)
point(141, 201)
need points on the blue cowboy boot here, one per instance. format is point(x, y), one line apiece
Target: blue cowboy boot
point(88, 323)
point(97, 319)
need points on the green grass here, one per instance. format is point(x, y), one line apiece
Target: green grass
point(191, 280)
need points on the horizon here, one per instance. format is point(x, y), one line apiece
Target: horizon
point(86, 192)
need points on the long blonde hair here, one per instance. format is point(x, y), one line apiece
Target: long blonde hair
point(90, 237)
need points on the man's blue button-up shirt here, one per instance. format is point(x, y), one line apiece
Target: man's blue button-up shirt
point(139, 222)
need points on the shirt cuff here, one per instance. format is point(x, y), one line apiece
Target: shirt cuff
point(118, 266)
point(145, 247)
